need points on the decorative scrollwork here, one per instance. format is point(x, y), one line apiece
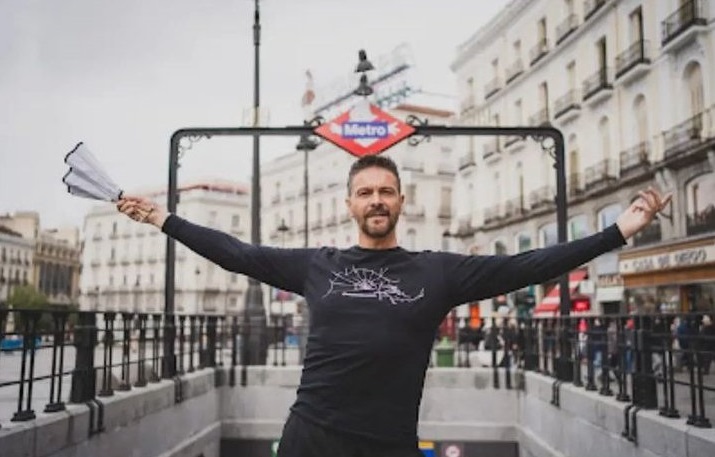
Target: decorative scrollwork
point(415, 121)
point(189, 143)
point(548, 145)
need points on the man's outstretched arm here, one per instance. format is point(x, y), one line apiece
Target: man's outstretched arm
point(478, 277)
point(282, 268)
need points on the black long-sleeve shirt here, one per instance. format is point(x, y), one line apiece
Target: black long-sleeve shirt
point(374, 313)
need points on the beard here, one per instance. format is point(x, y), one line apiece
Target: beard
point(383, 230)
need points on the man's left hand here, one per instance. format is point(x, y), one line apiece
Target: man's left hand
point(642, 211)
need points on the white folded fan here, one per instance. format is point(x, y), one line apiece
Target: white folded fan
point(87, 179)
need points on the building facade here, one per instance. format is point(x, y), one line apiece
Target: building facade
point(630, 85)
point(123, 261)
point(55, 261)
point(16, 254)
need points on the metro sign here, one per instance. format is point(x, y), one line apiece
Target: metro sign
point(365, 130)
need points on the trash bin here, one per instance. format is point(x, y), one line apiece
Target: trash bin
point(445, 353)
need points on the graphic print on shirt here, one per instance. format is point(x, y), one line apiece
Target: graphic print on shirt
point(367, 283)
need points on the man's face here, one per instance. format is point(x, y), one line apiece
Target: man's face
point(375, 201)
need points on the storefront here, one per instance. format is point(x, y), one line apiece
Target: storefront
point(677, 277)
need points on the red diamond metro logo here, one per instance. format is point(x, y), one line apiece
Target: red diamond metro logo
point(365, 130)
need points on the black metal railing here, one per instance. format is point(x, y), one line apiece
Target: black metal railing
point(602, 171)
point(701, 221)
point(637, 53)
point(635, 156)
point(539, 50)
point(654, 359)
point(566, 27)
point(492, 87)
point(539, 118)
point(491, 148)
point(543, 196)
point(575, 184)
point(682, 137)
point(514, 70)
point(467, 160)
point(567, 102)
point(596, 83)
point(688, 15)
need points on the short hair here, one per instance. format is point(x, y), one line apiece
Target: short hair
point(370, 161)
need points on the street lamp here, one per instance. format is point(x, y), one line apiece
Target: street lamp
point(283, 229)
point(305, 144)
point(255, 348)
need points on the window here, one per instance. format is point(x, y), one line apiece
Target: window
point(500, 248)
point(604, 131)
point(548, 235)
point(636, 25)
point(445, 203)
point(520, 184)
point(212, 218)
point(569, 7)
point(608, 215)
point(571, 75)
point(602, 56)
point(578, 227)
point(544, 97)
point(112, 254)
point(235, 221)
point(114, 228)
point(700, 195)
point(523, 242)
point(641, 118)
point(694, 80)
point(541, 30)
point(410, 194)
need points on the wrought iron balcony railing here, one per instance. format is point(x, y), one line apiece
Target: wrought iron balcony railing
point(591, 7)
point(690, 14)
point(637, 53)
point(565, 28)
point(596, 83)
point(571, 100)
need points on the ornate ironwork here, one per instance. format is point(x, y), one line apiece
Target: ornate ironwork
point(415, 121)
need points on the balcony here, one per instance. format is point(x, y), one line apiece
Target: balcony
point(681, 139)
point(515, 207)
point(492, 87)
point(514, 70)
point(332, 221)
point(566, 27)
point(514, 142)
point(540, 118)
point(413, 210)
point(597, 87)
point(682, 25)
point(636, 157)
point(539, 50)
point(345, 218)
point(276, 199)
point(467, 160)
point(701, 222)
point(649, 235)
point(568, 106)
point(445, 212)
point(445, 168)
point(316, 225)
point(601, 174)
point(591, 7)
point(492, 214)
point(634, 62)
point(467, 106)
point(575, 184)
point(542, 197)
point(491, 149)
point(413, 164)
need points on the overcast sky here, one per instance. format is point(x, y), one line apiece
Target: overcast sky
point(123, 75)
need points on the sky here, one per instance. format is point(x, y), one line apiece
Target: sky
point(122, 76)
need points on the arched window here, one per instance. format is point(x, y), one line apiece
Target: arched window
point(500, 248)
point(523, 242)
point(608, 215)
point(578, 227)
point(641, 119)
point(574, 165)
point(700, 196)
point(604, 133)
point(548, 235)
point(694, 81)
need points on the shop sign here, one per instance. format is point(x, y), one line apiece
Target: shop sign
point(676, 259)
point(609, 280)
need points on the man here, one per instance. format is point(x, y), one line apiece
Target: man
point(375, 308)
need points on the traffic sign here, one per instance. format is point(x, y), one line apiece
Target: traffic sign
point(365, 130)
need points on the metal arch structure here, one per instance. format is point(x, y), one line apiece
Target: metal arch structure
point(550, 138)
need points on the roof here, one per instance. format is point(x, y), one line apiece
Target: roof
point(6, 231)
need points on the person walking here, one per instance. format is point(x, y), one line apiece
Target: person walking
point(375, 308)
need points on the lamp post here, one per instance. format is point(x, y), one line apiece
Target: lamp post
point(283, 229)
point(306, 144)
point(255, 345)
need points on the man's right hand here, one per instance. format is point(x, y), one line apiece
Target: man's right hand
point(142, 209)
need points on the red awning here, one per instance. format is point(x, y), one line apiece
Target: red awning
point(550, 303)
